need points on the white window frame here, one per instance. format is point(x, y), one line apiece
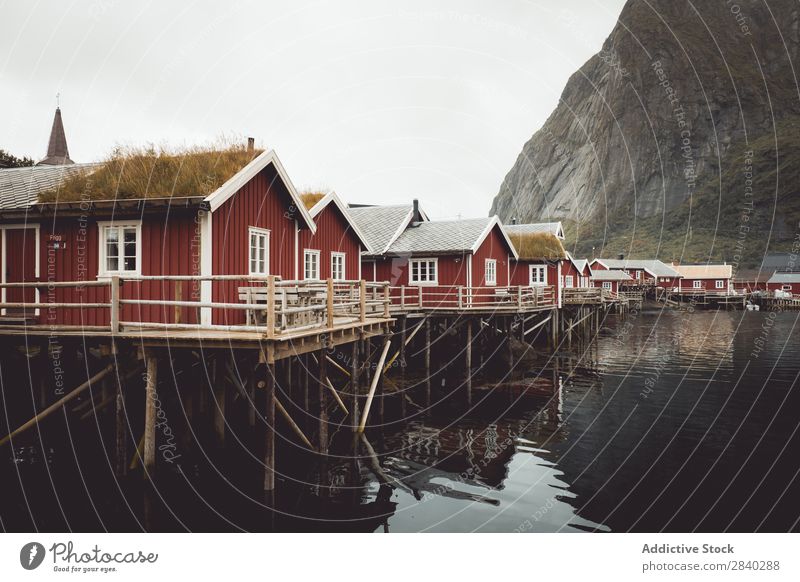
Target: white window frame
point(719, 284)
point(306, 254)
point(431, 282)
point(343, 257)
point(697, 284)
point(533, 281)
point(103, 226)
point(569, 282)
point(607, 285)
point(259, 232)
point(487, 271)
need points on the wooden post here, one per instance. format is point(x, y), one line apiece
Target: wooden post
point(468, 363)
point(218, 389)
point(150, 412)
point(115, 304)
point(373, 386)
point(362, 301)
point(121, 431)
point(178, 297)
point(251, 394)
point(387, 300)
point(427, 361)
point(354, 374)
point(269, 422)
point(329, 304)
point(419, 296)
point(270, 306)
point(323, 403)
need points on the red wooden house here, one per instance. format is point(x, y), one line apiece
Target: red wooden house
point(541, 255)
point(782, 284)
point(334, 250)
point(707, 278)
point(610, 279)
point(643, 272)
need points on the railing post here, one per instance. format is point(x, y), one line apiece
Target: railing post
point(329, 305)
point(519, 296)
point(270, 306)
point(460, 300)
point(387, 300)
point(419, 296)
point(402, 296)
point(114, 304)
point(362, 300)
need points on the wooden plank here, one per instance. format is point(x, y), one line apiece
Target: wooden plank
point(373, 386)
point(269, 427)
point(149, 448)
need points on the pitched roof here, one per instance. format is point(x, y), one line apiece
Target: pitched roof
point(381, 225)
point(537, 245)
point(332, 197)
point(20, 187)
point(554, 228)
point(705, 271)
point(57, 151)
point(653, 266)
point(447, 236)
point(785, 277)
point(580, 264)
point(610, 275)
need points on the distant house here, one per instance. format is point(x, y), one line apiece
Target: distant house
point(334, 250)
point(648, 272)
point(584, 272)
point(785, 282)
point(708, 278)
point(540, 257)
point(755, 279)
point(610, 279)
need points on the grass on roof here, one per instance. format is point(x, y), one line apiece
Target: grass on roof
point(538, 245)
point(311, 198)
point(150, 172)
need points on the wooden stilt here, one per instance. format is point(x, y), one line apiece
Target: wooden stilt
point(218, 387)
point(251, 396)
point(427, 363)
point(149, 447)
point(354, 378)
point(323, 404)
point(468, 362)
point(269, 427)
point(373, 386)
point(121, 431)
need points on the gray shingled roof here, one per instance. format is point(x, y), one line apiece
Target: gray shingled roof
point(20, 187)
point(533, 227)
point(655, 267)
point(785, 278)
point(380, 223)
point(610, 275)
point(441, 236)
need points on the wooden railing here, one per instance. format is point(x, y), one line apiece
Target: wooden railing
point(263, 303)
point(583, 295)
point(462, 298)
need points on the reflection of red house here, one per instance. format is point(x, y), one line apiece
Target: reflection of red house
point(334, 250)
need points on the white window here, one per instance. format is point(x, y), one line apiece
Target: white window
point(537, 275)
point(311, 264)
point(259, 251)
point(697, 284)
point(491, 272)
point(337, 266)
point(718, 284)
point(423, 272)
point(607, 285)
point(120, 248)
point(568, 281)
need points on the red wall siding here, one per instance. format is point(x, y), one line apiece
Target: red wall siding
point(334, 234)
point(772, 287)
point(707, 284)
point(520, 274)
point(614, 285)
point(493, 247)
point(263, 202)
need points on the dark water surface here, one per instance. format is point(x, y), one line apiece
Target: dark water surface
point(666, 421)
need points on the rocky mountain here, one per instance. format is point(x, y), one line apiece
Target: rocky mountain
point(679, 139)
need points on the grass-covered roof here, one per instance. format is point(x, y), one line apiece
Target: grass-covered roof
point(150, 172)
point(310, 199)
point(538, 245)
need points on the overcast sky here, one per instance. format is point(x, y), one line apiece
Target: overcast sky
point(381, 101)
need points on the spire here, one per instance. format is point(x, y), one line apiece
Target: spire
point(57, 152)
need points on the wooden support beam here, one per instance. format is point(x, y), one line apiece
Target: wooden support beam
point(468, 362)
point(218, 388)
point(374, 385)
point(354, 378)
point(427, 362)
point(323, 403)
point(120, 431)
point(58, 404)
point(269, 427)
point(537, 326)
point(149, 448)
point(336, 396)
point(292, 424)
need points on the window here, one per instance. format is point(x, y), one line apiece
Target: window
point(537, 275)
point(337, 266)
point(120, 250)
point(259, 251)
point(718, 284)
point(697, 284)
point(423, 272)
point(607, 285)
point(491, 272)
point(311, 262)
point(568, 281)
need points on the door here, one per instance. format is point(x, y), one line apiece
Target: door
point(19, 262)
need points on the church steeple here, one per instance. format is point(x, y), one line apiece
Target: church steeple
point(57, 151)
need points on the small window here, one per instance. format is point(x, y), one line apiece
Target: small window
point(311, 262)
point(120, 248)
point(259, 251)
point(538, 275)
point(491, 272)
point(719, 284)
point(607, 285)
point(337, 266)
point(697, 284)
point(568, 281)
point(423, 272)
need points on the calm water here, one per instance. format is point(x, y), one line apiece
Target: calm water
point(666, 421)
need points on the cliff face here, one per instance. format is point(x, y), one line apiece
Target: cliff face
point(663, 117)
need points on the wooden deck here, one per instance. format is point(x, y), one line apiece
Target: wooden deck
point(446, 300)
